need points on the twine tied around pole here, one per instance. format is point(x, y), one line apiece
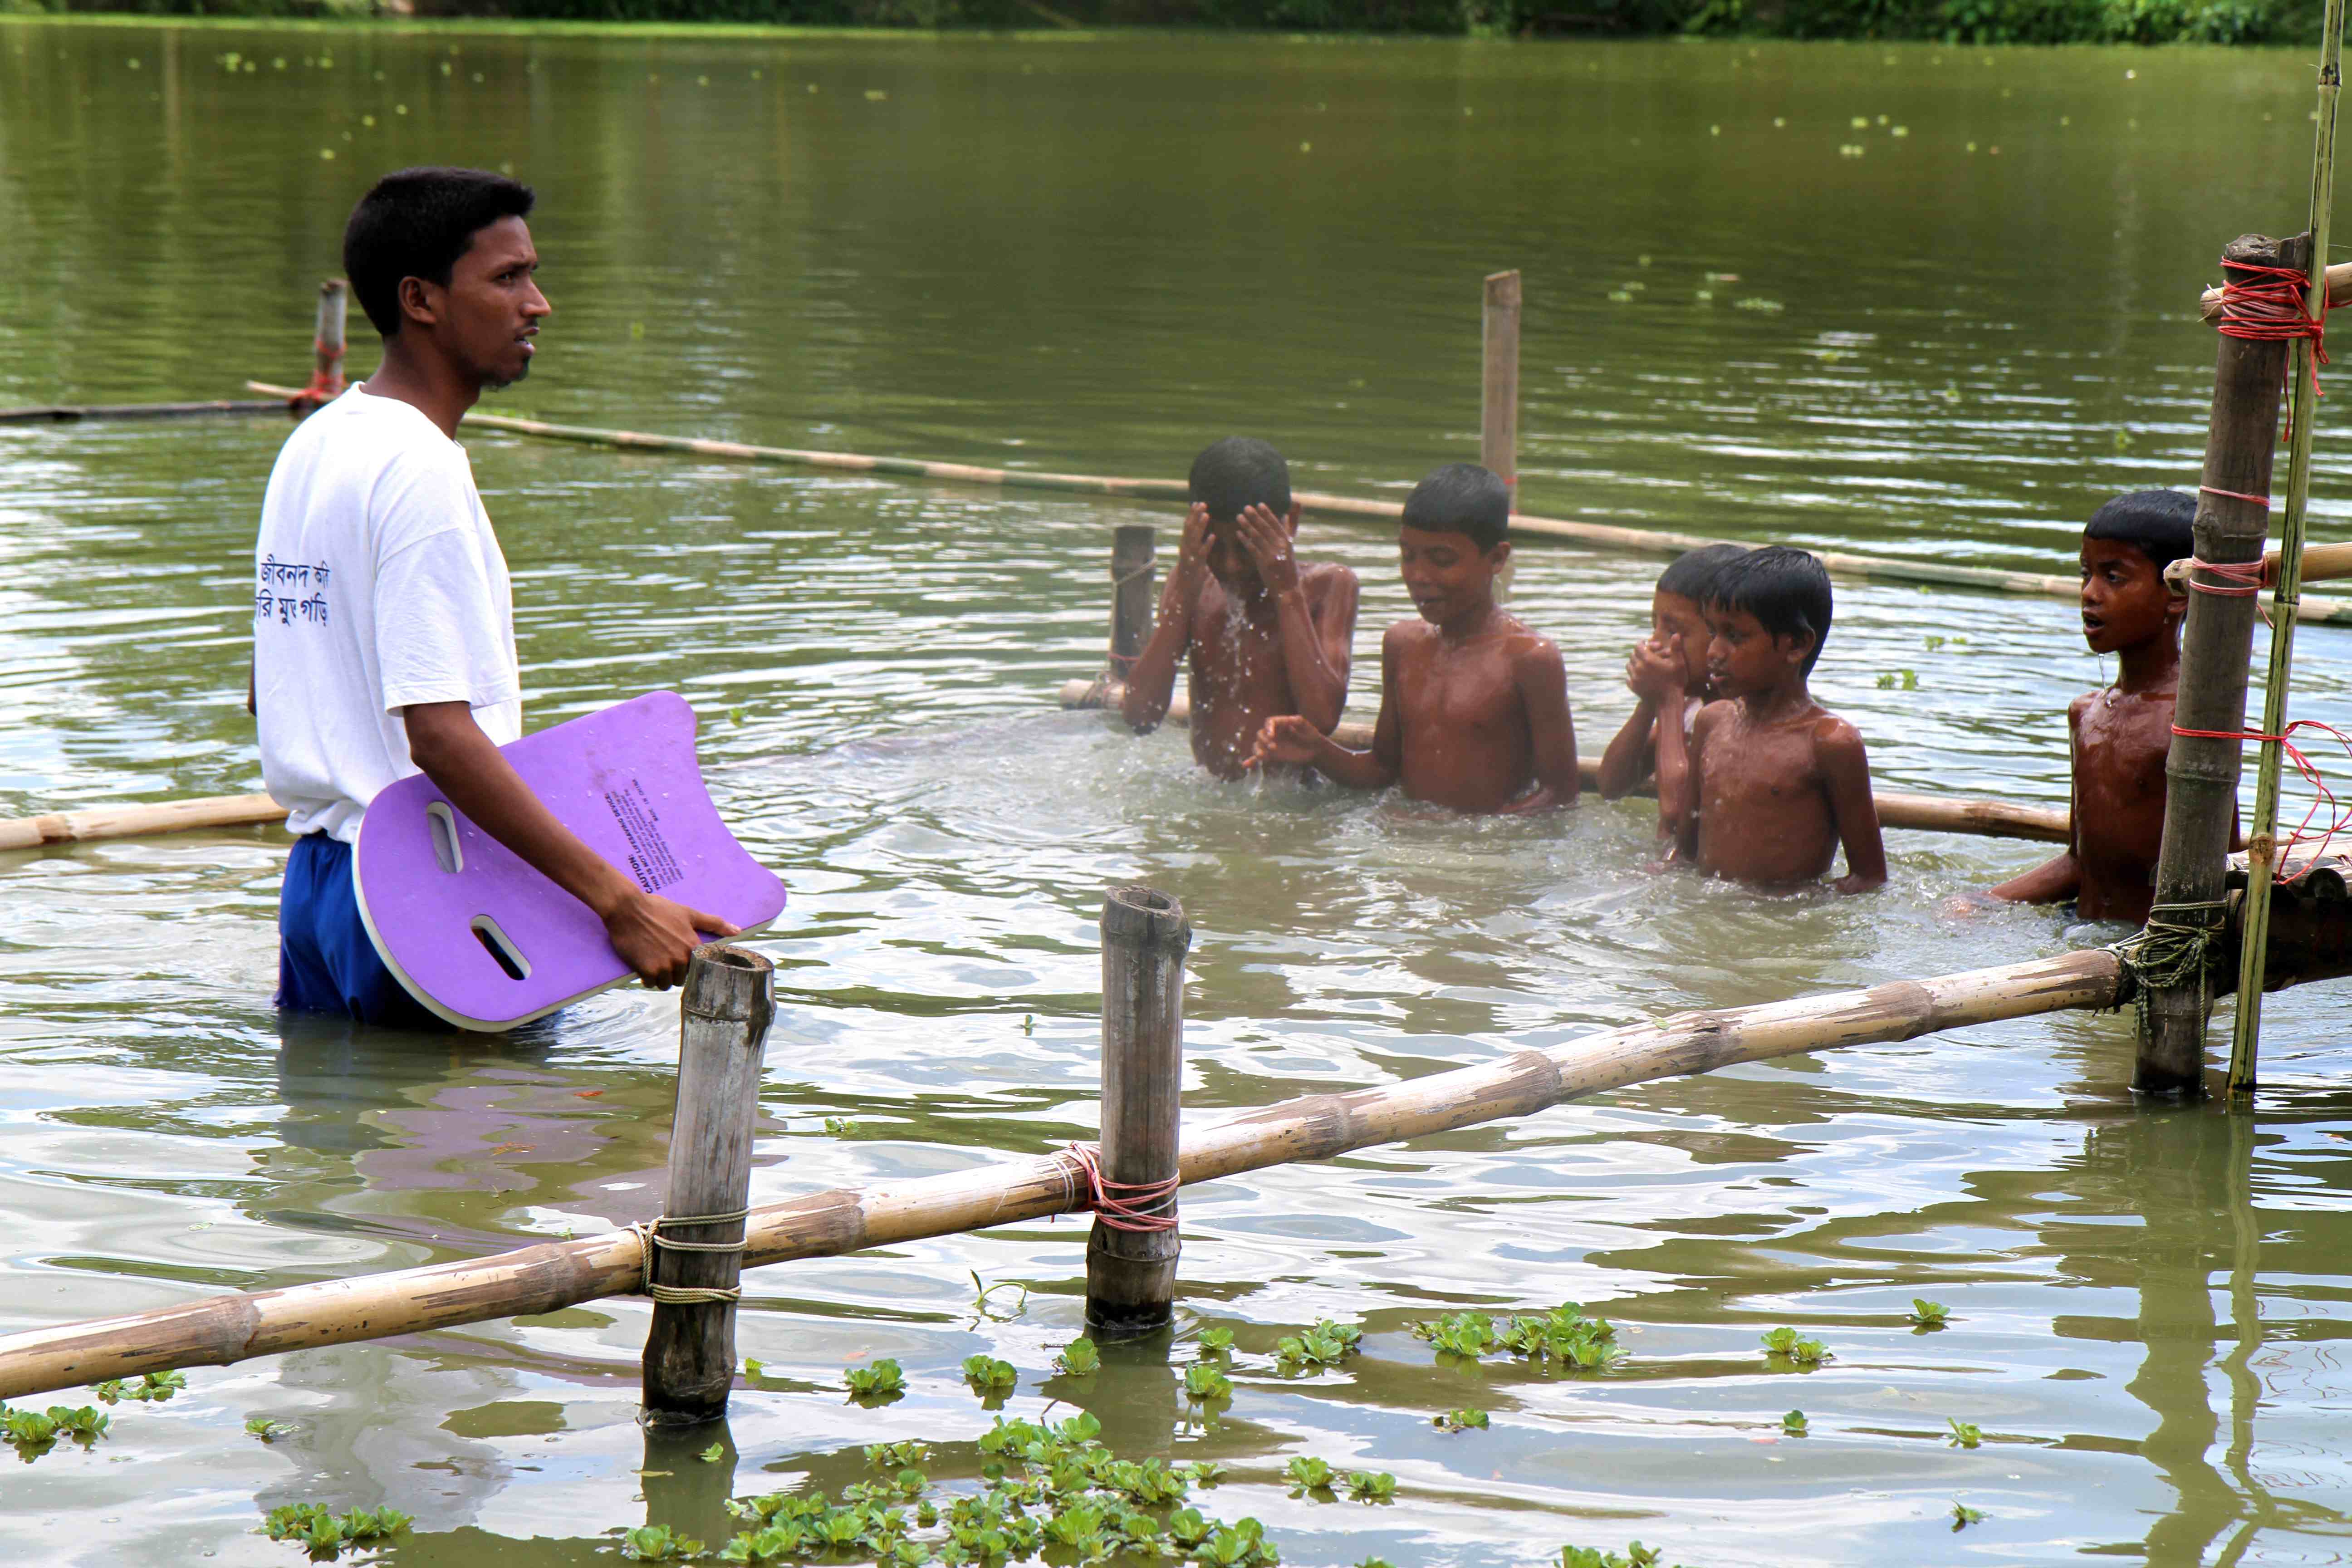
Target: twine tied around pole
point(649, 1237)
point(1124, 1206)
point(1122, 664)
point(2265, 304)
point(2171, 951)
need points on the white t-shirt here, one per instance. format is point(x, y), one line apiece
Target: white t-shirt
point(378, 583)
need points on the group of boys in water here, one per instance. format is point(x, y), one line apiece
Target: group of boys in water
point(1755, 780)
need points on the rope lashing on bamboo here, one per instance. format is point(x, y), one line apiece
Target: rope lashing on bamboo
point(2340, 819)
point(1122, 664)
point(649, 1237)
point(2171, 951)
point(2265, 304)
point(1125, 1206)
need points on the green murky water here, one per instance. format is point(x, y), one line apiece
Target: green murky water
point(1096, 256)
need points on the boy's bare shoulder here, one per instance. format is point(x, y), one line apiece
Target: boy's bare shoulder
point(1325, 577)
point(1710, 715)
point(1835, 737)
point(2082, 705)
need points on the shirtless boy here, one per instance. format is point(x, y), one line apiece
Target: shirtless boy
point(1667, 675)
point(1777, 782)
point(1264, 633)
point(2119, 736)
point(1473, 706)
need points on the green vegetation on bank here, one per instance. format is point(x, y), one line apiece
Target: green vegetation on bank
point(1951, 21)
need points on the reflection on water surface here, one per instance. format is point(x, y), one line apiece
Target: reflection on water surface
point(1096, 256)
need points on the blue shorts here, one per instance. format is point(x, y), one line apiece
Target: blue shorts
point(325, 962)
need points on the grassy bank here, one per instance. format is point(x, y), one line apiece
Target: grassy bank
point(1954, 21)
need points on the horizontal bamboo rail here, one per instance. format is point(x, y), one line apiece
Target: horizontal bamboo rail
point(2321, 563)
point(1928, 813)
point(72, 413)
point(133, 821)
point(1602, 536)
point(220, 1330)
point(2339, 291)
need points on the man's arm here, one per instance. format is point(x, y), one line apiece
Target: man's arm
point(1151, 679)
point(1845, 773)
point(1317, 636)
point(2060, 878)
point(1293, 738)
point(653, 936)
point(1656, 684)
point(1551, 730)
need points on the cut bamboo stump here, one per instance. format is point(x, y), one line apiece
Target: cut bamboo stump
point(327, 342)
point(134, 821)
point(1132, 1250)
point(2217, 639)
point(1499, 390)
point(218, 1331)
point(728, 1001)
point(1927, 813)
point(1134, 594)
point(1598, 535)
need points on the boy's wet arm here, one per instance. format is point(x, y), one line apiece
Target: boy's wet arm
point(1845, 764)
point(1551, 728)
point(1319, 634)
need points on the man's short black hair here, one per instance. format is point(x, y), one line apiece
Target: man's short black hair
point(1239, 472)
point(1787, 592)
point(416, 224)
point(2153, 522)
point(1693, 573)
point(1462, 498)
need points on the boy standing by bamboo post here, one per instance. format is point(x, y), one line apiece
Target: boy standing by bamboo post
point(2120, 735)
point(1667, 675)
point(1473, 706)
point(1777, 781)
point(1262, 633)
point(384, 620)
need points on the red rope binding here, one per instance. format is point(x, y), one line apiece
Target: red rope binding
point(2341, 818)
point(1125, 1206)
point(2266, 307)
point(2262, 501)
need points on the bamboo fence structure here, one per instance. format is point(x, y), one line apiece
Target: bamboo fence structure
point(218, 1330)
point(1599, 536)
point(136, 821)
point(1928, 813)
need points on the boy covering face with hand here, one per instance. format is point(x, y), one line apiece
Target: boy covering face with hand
point(1667, 675)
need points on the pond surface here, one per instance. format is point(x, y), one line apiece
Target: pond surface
point(1096, 255)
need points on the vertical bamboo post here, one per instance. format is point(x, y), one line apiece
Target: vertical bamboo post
point(2202, 773)
point(327, 341)
point(2262, 845)
point(1134, 595)
point(1498, 401)
point(696, 1248)
point(1130, 1271)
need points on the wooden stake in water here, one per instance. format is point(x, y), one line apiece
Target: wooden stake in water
point(2262, 846)
point(334, 307)
point(1498, 413)
point(695, 1255)
point(1131, 1252)
point(2201, 770)
point(1134, 595)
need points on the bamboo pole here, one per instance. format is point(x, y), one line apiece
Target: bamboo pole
point(1131, 1271)
point(1498, 400)
point(2202, 773)
point(327, 343)
point(218, 1330)
point(1601, 536)
point(1927, 813)
point(71, 412)
point(2339, 277)
point(2245, 1030)
point(724, 1011)
point(134, 821)
point(1134, 595)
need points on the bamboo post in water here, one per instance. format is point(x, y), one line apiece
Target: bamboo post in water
point(1498, 411)
point(2202, 769)
point(1132, 1251)
point(2263, 844)
point(1134, 595)
point(327, 342)
point(695, 1251)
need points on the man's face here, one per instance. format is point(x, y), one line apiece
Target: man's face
point(1743, 659)
point(1446, 575)
point(491, 308)
point(2124, 601)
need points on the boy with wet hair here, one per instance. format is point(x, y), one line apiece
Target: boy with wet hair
point(1667, 675)
point(2120, 735)
point(1262, 632)
point(1777, 782)
point(1473, 706)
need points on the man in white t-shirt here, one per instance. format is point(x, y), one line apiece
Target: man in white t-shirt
point(383, 621)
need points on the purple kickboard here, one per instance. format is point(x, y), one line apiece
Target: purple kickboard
point(625, 779)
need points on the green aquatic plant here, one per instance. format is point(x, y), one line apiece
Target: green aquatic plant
point(1470, 1334)
point(1930, 1314)
point(897, 1455)
point(713, 1454)
point(754, 1368)
point(159, 1386)
point(1307, 1474)
point(657, 1543)
point(989, 1375)
point(1964, 1434)
point(1371, 1486)
point(1203, 1382)
point(1459, 1420)
point(1079, 1358)
point(325, 1533)
point(841, 1126)
point(1898, 681)
point(1563, 1335)
point(1635, 1555)
point(269, 1431)
point(1964, 1516)
point(1241, 1544)
point(1794, 1424)
point(1216, 1341)
point(982, 1291)
point(1326, 1344)
point(885, 1376)
point(1785, 1342)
